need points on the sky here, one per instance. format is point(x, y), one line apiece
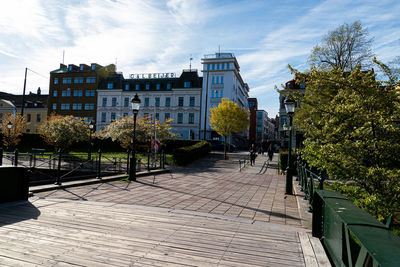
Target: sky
point(143, 36)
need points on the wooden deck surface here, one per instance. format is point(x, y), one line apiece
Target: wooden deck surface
point(53, 232)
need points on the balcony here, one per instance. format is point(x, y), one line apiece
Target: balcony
point(219, 55)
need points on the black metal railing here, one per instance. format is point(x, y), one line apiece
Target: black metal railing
point(307, 180)
point(243, 162)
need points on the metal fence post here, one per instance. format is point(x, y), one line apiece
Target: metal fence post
point(1, 156)
point(148, 160)
point(16, 157)
point(99, 166)
point(127, 161)
point(58, 181)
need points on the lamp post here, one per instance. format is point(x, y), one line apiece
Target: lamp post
point(135, 102)
point(91, 127)
point(9, 126)
point(289, 105)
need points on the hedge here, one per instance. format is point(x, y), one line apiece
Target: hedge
point(170, 145)
point(187, 154)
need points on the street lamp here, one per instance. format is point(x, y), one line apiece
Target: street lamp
point(91, 127)
point(9, 126)
point(289, 105)
point(135, 102)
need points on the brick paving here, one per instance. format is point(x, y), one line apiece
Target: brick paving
point(210, 185)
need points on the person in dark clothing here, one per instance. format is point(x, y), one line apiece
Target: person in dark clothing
point(270, 151)
point(253, 155)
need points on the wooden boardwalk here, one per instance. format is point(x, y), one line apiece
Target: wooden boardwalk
point(54, 232)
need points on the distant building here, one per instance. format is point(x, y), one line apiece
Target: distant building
point(253, 106)
point(35, 108)
point(73, 89)
point(265, 127)
point(163, 96)
point(221, 78)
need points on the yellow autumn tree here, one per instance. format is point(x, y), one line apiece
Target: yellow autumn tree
point(228, 118)
point(11, 136)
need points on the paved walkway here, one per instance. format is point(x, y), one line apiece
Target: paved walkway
point(211, 185)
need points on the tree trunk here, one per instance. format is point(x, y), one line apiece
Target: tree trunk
point(225, 147)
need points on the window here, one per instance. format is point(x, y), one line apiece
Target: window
point(110, 85)
point(180, 117)
point(146, 102)
point(66, 92)
point(147, 86)
point(76, 106)
point(89, 106)
point(55, 93)
point(167, 101)
point(192, 101)
point(126, 101)
point(180, 101)
point(157, 101)
point(38, 117)
point(77, 92)
point(78, 80)
point(137, 86)
point(54, 106)
point(221, 94)
point(90, 92)
point(93, 66)
point(81, 67)
point(127, 86)
point(103, 117)
point(212, 93)
point(222, 79)
point(64, 106)
point(66, 80)
point(223, 66)
point(191, 118)
point(217, 79)
point(213, 66)
point(167, 116)
point(218, 66)
point(112, 116)
point(208, 66)
point(104, 102)
point(216, 93)
point(91, 80)
point(125, 115)
point(227, 66)
point(157, 116)
point(186, 84)
point(28, 119)
point(70, 68)
point(114, 102)
point(259, 129)
point(212, 79)
point(158, 86)
point(259, 115)
point(55, 80)
point(168, 86)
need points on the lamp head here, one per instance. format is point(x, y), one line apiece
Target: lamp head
point(135, 102)
point(9, 125)
point(91, 125)
point(290, 105)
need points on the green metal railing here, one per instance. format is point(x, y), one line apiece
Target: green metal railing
point(307, 180)
point(351, 236)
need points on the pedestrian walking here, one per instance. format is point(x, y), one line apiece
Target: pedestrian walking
point(253, 154)
point(270, 151)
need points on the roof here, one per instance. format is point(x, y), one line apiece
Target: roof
point(16, 100)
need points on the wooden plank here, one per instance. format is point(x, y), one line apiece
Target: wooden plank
point(319, 251)
point(308, 252)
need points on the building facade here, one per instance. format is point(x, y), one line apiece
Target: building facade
point(163, 96)
point(265, 127)
point(73, 89)
point(221, 78)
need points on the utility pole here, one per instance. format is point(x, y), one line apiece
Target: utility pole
point(23, 94)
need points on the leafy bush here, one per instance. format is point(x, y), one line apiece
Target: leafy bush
point(169, 145)
point(184, 155)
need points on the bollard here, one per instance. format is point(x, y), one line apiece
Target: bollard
point(16, 157)
point(1, 156)
point(58, 181)
point(165, 159)
point(99, 166)
point(30, 160)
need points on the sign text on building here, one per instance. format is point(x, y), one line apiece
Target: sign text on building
point(152, 75)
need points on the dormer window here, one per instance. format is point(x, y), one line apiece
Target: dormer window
point(70, 67)
point(110, 86)
point(81, 67)
point(186, 84)
point(93, 66)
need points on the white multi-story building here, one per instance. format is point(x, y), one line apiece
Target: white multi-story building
point(221, 78)
point(163, 96)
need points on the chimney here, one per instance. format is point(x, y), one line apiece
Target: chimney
point(62, 66)
point(39, 91)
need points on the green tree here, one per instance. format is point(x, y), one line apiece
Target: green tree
point(351, 124)
point(11, 136)
point(61, 131)
point(228, 118)
point(121, 130)
point(344, 48)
